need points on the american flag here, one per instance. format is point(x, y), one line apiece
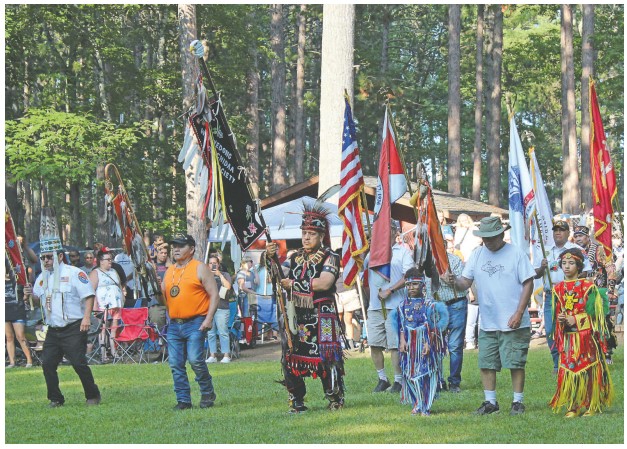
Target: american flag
point(350, 209)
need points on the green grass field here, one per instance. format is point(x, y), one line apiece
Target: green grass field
point(251, 408)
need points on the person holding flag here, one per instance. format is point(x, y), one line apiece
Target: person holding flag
point(388, 262)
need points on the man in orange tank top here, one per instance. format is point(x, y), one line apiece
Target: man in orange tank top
point(191, 297)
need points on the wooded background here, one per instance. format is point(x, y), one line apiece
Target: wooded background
point(91, 84)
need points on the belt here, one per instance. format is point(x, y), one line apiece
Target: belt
point(185, 320)
point(450, 302)
point(60, 328)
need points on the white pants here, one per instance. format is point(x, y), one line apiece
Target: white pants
point(471, 323)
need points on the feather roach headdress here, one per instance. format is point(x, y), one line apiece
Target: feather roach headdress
point(315, 219)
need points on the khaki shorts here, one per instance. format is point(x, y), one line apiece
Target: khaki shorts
point(504, 349)
point(348, 301)
point(383, 334)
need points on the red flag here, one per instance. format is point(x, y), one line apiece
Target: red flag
point(12, 247)
point(350, 209)
point(391, 186)
point(603, 177)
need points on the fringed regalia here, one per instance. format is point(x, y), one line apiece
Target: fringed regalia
point(317, 350)
point(420, 321)
point(583, 379)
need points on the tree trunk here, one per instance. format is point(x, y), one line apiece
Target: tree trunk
point(89, 224)
point(76, 221)
point(570, 192)
point(383, 69)
point(336, 74)
point(27, 203)
point(102, 234)
point(476, 154)
point(252, 127)
point(587, 67)
point(454, 100)
point(279, 145)
point(299, 131)
point(493, 123)
point(196, 224)
point(101, 84)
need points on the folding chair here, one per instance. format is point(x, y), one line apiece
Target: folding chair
point(158, 336)
point(135, 331)
point(266, 316)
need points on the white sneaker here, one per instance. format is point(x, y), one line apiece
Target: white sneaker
point(211, 359)
point(226, 360)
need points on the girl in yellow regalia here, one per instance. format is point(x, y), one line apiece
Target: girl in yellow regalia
point(584, 385)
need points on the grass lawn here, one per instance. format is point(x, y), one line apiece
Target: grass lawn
point(251, 408)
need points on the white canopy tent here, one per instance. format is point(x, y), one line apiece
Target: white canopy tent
point(284, 221)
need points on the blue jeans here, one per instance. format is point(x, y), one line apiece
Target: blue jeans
point(548, 327)
point(186, 342)
point(221, 328)
point(456, 331)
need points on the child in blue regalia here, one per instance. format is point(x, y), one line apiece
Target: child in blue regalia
point(422, 323)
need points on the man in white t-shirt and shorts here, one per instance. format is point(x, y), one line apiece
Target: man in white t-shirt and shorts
point(504, 279)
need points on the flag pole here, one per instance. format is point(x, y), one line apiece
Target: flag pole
point(400, 154)
point(535, 216)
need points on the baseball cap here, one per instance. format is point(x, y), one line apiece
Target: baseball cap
point(561, 224)
point(183, 239)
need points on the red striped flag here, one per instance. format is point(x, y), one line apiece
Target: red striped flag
point(350, 208)
point(390, 187)
point(603, 177)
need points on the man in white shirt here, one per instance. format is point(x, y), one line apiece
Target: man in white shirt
point(504, 279)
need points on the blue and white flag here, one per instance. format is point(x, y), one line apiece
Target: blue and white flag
point(522, 201)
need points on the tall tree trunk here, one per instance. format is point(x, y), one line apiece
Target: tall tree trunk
point(102, 234)
point(27, 203)
point(476, 154)
point(196, 224)
point(493, 123)
point(587, 67)
point(89, 223)
point(338, 25)
point(386, 19)
point(76, 221)
point(279, 144)
point(454, 100)
point(299, 132)
point(570, 192)
point(99, 69)
point(36, 210)
point(252, 127)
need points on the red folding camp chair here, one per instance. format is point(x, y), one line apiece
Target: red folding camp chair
point(135, 331)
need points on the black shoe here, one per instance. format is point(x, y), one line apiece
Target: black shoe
point(396, 388)
point(55, 404)
point(381, 386)
point(94, 401)
point(487, 408)
point(454, 389)
point(207, 400)
point(518, 408)
point(297, 407)
point(182, 406)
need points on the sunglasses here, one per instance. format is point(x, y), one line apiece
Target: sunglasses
point(46, 257)
point(107, 258)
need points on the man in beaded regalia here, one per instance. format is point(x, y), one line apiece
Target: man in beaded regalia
point(310, 285)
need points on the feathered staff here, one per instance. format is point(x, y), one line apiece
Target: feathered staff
point(430, 246)
point(123, 224)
